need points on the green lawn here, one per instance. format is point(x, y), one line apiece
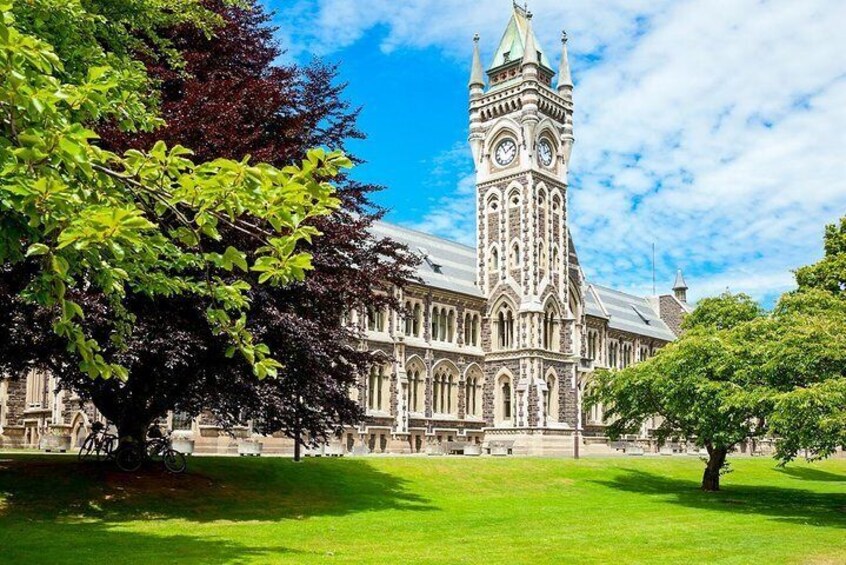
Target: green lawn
point(421, 510)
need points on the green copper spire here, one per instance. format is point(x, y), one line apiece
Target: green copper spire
point(512, 47)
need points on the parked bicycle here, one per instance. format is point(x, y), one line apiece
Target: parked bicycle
point(158, 449)
point(99, 444)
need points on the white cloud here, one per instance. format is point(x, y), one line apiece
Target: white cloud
point(716, 129)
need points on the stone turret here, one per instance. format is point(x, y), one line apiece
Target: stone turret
point(477, 73)
point(680, 287)
point(565, 78)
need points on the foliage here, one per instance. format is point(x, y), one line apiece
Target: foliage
point(89, 33)
point(691, 387)
point(82, 219)
point(738, 374)
point(723, 312)
point(806, 357)
point(231, 84)
point(830, 273)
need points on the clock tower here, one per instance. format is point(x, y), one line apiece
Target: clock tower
point(521, 136)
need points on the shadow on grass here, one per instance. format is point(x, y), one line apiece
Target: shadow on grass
point(82, 507)
point(49, 541)
point(810, 474)
point(790, 505)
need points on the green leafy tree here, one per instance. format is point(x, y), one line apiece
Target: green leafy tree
point(79, 219)
point(723, 312)
point(739, 374)
point(805, 357)
point(691, 385)
point(830, 273)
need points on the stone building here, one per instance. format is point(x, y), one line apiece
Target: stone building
point(498, 343)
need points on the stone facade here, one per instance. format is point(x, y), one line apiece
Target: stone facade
point(499, 342)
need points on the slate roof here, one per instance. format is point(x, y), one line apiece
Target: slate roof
point(445, 264)
point(626, 312)
point(451, 266)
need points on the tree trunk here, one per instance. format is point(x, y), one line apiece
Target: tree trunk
point(298, 433)
point(131, 430)
point(297, 444)
point(716, 461)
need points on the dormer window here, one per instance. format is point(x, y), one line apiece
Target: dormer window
point(506, 57)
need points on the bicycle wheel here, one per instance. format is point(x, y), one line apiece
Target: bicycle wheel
point(106, 449)
point(129, 457)
point(174, 461)
point(155, 449)
point(88, 446)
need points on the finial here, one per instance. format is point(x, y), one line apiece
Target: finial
point(528, 14)
point(476, 38)
point(563, 36)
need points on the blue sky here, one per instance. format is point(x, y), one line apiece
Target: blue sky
point(714, 128)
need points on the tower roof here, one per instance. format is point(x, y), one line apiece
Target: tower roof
point(680, 284)
point(512, 47)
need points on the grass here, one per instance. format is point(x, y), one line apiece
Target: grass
point(421, 510)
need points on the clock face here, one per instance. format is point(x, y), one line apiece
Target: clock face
point(545, 152)
point(505, 152)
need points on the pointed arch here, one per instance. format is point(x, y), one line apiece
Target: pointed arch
point(515, 196)
point(378, 381)
point(415, 371)
point(80, 427)
point(515, 256)
point(473, 386)
point(504, 126)
point(503, 398)
point(551, 402)
point(556, 202)
point(492, 202)
point(494, 258)
point(546, 129)
point(551, 329)
point(503, 316)
point(445, 376)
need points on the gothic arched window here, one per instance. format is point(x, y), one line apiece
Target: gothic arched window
point(36, 389)
point(409, 319)
point(493, 263)
point(515, 256)
point(550, 328)
point(473, 393)
point(445, 390)
point(556, 204)
point(506, 400)
point(416, 320)
point(551, 398)
point(415, 388)
point(514, 198)
point(376, 387)
point(493, 203)
point(505, 328)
